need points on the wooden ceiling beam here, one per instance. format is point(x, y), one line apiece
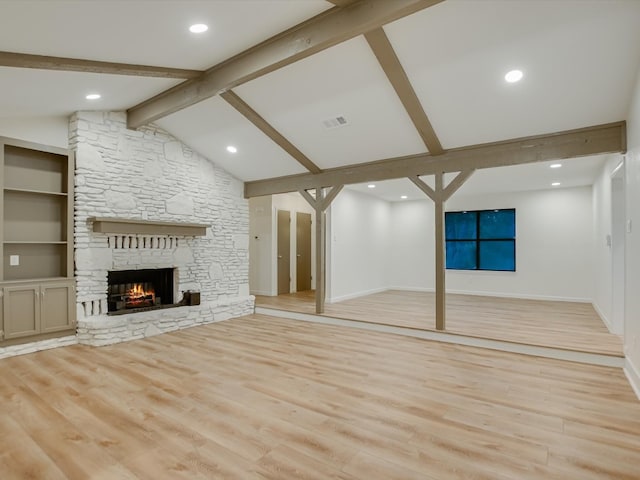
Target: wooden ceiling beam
point(342, 3)
point(330, 197)
point(600, 139)
point(426, 189)
point(323, 31)
point(384, 52)
point(42, 62)
point(456, 183)
point(265, 127)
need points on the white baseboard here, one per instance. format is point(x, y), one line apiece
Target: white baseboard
point(633, 375)
point(350, 296)
point(262, 293)
point(524, 296)
point(413, 289)
point(496, 294)
point(602, 316)
point(26, 348)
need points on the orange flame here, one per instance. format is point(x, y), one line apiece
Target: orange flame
point(139, 291)
point(137, 294)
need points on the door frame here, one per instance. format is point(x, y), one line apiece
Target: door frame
point(618, 236)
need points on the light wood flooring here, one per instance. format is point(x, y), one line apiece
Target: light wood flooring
point(261, 398)
point(565, 325)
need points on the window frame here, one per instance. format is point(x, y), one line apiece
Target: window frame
point(479, 240)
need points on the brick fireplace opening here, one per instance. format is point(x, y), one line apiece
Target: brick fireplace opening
point(132, 291)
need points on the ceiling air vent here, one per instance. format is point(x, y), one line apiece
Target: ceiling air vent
point(334, 122)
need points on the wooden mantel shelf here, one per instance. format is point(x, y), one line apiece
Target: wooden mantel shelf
point(147, 227)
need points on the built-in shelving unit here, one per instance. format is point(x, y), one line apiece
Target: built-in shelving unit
point(36, 233)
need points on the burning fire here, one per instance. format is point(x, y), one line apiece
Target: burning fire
point(137, 295)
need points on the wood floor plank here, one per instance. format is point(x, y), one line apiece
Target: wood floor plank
point(262, 397)
point(22, 456)
point(287, 462)
point(364, 465)
point(567, 325)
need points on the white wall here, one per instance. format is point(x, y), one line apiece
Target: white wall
point(553, 246)
point(602, 251)
point(45, 130)
point(260, 246)
point(263, 218)
point(632, 283)
point(358, 229)
point(411, 256)
point(618, 240)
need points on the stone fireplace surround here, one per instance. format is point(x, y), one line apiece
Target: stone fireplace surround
point(150, 176)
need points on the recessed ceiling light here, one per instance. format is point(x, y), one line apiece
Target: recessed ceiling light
point(93, 96)
point(403, 197)
point(231, 149)
point(514, 76)
point(555, 165)
point(555, 184)
point(371, 185)
point(198, 28)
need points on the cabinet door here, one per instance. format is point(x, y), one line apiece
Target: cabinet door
point(58, 306)
point(21, 310)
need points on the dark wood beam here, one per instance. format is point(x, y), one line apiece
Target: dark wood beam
point(383, 50)
point(41, 62)
point(323, 31)
point(265, 127)
point(600, 139)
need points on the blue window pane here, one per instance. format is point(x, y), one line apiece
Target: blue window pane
point(497, 224)
point(461, 255)
point(460, 225)
point(498, 255)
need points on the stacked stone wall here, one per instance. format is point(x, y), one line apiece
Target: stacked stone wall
point(147, 174)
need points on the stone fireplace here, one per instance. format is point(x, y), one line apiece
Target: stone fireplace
point(148, 177)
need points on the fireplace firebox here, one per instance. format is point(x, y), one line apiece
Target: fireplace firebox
point(139, 290)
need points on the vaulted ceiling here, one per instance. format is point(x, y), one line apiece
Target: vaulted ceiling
point(427, 81)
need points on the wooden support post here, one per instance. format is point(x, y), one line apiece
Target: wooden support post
point(320, 203)
point(440, 254)
point(321, 258)
point(440, 195)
